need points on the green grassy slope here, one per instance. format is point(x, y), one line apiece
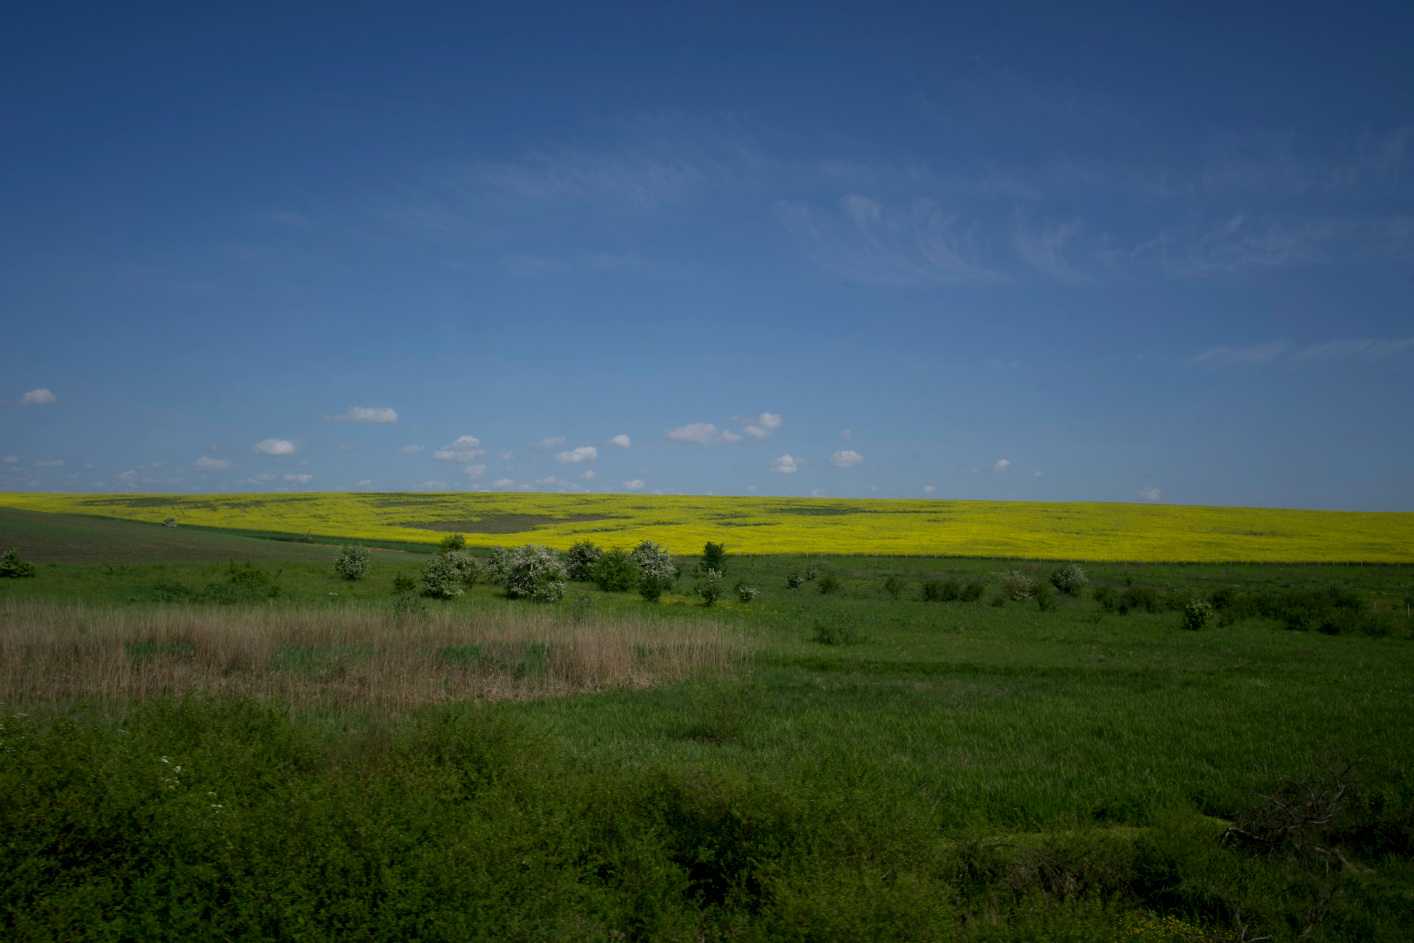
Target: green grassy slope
point(63, 538)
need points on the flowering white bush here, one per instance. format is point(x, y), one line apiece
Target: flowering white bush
point(536, 572)
point(710, 589)
point(465, 565)
point(1070, 579)
point(498, 564)
point(655, 568)
point(351, 561)
point(1017, 586)
point(746, 593)
point(440, 578)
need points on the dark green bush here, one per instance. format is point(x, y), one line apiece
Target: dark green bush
point(838, 632)
point(941, 590)
point(615, 571)
point(893, 586)
point(580, 560)
point(827, 584)
point(13, 567)
point(714, 557)
point(1046, 597)
point(450, 543)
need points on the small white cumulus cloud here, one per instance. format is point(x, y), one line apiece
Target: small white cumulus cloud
point(818, 492)
point(502, 483)
point(433, 486)
point(1000, 466)
point(929, 489)
point(365, 483)
point(299, 479)
point(274, 447)
point(786, 465)
point(846, 458)
point(50, 463)
point(590, 475)
point(702, 433)
point(845, 435)
point(11, 460)
point(205, 464)
point(465, 449)
point(1036, 473)
point(507, 456)
point(760, 427)
point(39, 397)
point(585, 453)
point(474, 471)
point(634, 484)
point(365, 414)
point(1149, 494)
point(548, 443)
point(410, 449)
point(621, 440)
point(873, 489)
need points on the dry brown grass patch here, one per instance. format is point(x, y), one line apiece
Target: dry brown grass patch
point(346, 656)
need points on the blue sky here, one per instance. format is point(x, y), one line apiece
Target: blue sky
point(1109, 252)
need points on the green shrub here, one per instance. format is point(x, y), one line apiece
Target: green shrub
point(828, 584)
point(450, 543)
point(972, 590)
point(835, 632)
point(402, 583)
point(615, 571)
point(655, 568)
point(13, 567)
point(944, 590)
point(745, 593)
point(1108, 597)
point(1138, 598)
point(794, 580)
point(1198, 614)
point(711, 587)
point(1046, 597)
point(580, 560)
point(351, 561)
point(498, 564)
point(893, 586)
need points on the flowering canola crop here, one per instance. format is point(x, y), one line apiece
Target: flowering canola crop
point(1039, 530)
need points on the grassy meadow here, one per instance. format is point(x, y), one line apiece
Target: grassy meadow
point(247, 747)
point(1029, 530)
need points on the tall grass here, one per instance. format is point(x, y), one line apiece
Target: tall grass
point(344, 657)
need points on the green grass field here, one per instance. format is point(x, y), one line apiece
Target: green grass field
point(985, 770)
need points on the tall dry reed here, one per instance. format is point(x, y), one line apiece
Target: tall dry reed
point(344, 657)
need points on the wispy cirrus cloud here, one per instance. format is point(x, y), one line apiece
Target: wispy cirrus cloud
point(865, 241)
point(378, 414)
point(1367, 349)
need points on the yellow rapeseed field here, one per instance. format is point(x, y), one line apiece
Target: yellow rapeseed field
point(1036, 530)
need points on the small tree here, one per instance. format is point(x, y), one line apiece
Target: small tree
point(581, 559)
point(828, 584)
point(745, 593)
point(714, 557)
point(351, 561)
point(11, 566)
point(440, 578)
point(536, 573)
point(451, 543)
point(615, 571)
point(711, 587)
